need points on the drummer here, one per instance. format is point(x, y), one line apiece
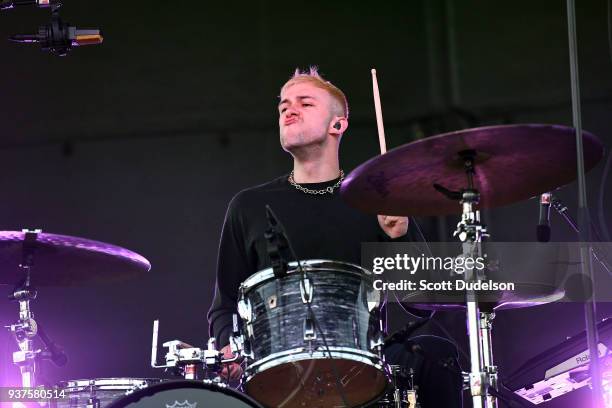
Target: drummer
point(312, 118)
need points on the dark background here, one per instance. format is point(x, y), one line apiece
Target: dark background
point(142, 141)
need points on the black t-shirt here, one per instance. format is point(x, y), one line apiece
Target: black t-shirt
point(318, 227)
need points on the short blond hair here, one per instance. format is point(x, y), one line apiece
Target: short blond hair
point(312, 76)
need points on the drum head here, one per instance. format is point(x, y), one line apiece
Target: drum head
point(185, 394)
point(318, 383)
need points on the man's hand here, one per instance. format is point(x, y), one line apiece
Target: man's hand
point(393, 226)
point(233, 371)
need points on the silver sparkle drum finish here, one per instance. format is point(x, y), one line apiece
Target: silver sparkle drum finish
point(99, 392)
point(186, 394)
point(288, 364)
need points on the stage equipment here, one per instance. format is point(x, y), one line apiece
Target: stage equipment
point(563, 368)
point(31, 258)
point(62, 260)
point(513, 163)
point(183, 359)
point(402, 393)
point(9, 4)
point(56, 37)
point(584, 222)
point(186, 394)
point(481, 168)
point(99, 392)
point(543, 228)
point(287, 353)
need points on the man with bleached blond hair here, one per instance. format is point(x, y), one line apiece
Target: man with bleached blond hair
point(313, 115)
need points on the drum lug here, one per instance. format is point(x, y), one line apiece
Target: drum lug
point(377, 343)
point(245, 310)
point(306, 290)
point(93, 403)
point(309, 330)
point(248, 351)
point(355, 332)
point(373, 299)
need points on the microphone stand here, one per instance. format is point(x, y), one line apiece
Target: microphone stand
point(598, 253)
point(583, 212)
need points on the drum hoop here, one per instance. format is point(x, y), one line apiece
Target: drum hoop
point(309, 265)
point(118, 383)
point(107, 384)
point(301, 354)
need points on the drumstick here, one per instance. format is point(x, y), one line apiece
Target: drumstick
point(379, 119)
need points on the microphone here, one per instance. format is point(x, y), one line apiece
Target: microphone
point(543, 228)
point(9, 4)
point(59, 37)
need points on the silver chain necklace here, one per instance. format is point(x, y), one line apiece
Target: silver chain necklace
point(327, 190)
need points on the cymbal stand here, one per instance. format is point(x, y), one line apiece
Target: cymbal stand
point(25, 329)
point(470, 231)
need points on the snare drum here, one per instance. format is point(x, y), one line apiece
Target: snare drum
point(288, 363)
point(99, 392)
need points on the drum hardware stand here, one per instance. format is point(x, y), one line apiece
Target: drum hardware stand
point(597, 253)
point(26, 328)
point(471, 231)
point(404, 393)
point(586, 249)
point(600, 256)
point(182, 359)
point(404, 396)
point(24, 331)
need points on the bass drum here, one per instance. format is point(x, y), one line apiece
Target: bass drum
point(186, 394)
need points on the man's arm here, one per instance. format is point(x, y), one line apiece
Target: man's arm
point(232, 269)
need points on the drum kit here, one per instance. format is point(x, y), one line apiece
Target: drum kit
point(313, 336)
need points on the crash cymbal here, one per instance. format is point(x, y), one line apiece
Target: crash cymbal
point(61, 260)
point(512, 163)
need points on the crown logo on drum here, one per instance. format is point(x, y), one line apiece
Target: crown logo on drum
point(184, 404)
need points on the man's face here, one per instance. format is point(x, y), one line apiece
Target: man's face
point(304, 116)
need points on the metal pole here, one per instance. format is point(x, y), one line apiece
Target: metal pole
point(455, 89)
point(477, 382)
point(583, 212)
point(486, 327)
